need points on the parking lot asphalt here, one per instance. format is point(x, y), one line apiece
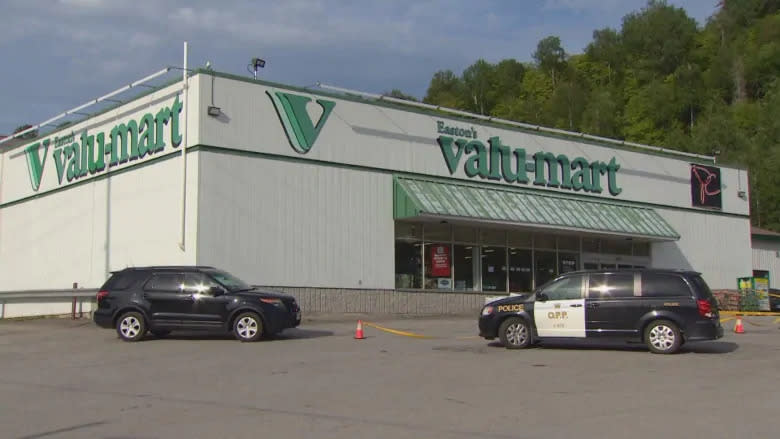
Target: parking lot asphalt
point(69, 379)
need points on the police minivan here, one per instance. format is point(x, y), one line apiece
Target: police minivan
point(661, 308)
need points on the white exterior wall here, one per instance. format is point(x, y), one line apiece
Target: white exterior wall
point(766, 256)
point(349, 238)
point(78, 231)
point(717, 246)
point(388, 139)
point(283, 223)
point(79, 234)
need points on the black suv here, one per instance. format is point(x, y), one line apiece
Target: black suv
point(662, 308)
point(162, 299)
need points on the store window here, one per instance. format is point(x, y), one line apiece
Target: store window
point(493, 237)
point(438, 266)
point(465, 234)
point(434, 232)
point(545, 267)
point(466, 266)
point(568, 262)
point(590, 245)
point(570, 243)
point(408, 264)
point(641, 249)
point(494, 268)
point(520, 239)
point(520, 270)
point(408, 231)
point(408, 255)
point(616, 246)
point(544, 241)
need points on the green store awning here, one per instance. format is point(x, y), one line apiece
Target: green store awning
point(419, 198)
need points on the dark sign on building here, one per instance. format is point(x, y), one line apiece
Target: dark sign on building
point(705, 187)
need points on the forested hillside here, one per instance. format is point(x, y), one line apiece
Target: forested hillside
point(659, 80)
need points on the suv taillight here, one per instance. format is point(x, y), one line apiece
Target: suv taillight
point(101, 295)
point(705, 308)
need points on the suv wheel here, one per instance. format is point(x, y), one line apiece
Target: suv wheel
point(663, 337)
point(130, 326)
point(514, 333)
point(248, 327)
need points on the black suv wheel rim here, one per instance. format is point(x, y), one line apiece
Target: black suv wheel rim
point(246, 327)
point(517, 333)
point(662, 337)
point(130, 327)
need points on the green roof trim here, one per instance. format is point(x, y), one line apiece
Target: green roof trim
point(430, 198)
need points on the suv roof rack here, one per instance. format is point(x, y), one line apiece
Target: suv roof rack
point(166, 267)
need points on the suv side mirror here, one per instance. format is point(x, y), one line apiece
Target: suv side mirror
point(542, 297)
point(216, 290)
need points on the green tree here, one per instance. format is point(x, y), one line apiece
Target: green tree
point(658, 39)
point(601, 115)
point(398, 94)
point(445, 90)
point(606, 51)
point(30, 135)
point(550, 56)
point(477, 81)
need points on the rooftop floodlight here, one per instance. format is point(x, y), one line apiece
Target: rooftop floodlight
point(255, 65)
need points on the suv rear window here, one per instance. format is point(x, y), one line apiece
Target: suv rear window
point(120, 281)
point(664, 285)
point(702, 289)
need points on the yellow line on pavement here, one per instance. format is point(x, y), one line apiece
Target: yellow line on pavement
point(777, 320)
point(395, 331)
point(750, 313)
point(727, 319)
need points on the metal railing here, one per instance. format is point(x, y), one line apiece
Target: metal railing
point(48, 296)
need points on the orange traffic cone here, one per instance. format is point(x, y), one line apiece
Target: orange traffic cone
point(359, 331)
point(738, 328)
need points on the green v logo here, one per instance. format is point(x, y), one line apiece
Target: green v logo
point(35, 162)
point(296, 121)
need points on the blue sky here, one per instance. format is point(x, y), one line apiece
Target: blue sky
point(57, 54)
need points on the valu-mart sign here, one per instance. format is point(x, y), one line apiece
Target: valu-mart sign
point(74, 157)
point(461, 148)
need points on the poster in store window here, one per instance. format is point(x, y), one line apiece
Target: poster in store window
point(440, 261)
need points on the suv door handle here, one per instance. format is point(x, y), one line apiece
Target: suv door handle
point(575, 305)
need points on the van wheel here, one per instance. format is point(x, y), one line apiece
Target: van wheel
point(130, 326)
point(248, 327)
point(514, 333)
point(663, 337)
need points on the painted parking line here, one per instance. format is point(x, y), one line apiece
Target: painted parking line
point(727, 319)
point(414, 334)
point(395, 331)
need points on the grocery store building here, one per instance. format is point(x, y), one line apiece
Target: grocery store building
point(353, 203)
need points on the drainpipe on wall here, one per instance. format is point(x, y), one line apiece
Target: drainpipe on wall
point(184, 154)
